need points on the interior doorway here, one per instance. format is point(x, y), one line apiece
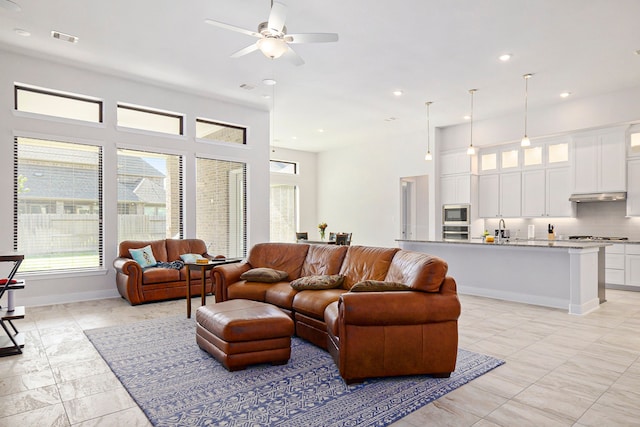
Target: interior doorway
point(414, 207)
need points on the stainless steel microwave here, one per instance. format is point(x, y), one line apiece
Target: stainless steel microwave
point(456, 214)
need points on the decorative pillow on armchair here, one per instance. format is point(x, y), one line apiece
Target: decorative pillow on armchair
point(143, 256)
point(190, 258)
point(265, 275)
point(318, 282)
point(378, 286)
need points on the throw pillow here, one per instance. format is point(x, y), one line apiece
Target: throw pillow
point(190, 258)
point(143, 256)
point(317, 282)
point(265, 275)
point(378, 286)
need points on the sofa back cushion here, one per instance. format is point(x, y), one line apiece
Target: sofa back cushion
point(287, 257)
point(323, 260)
point(158, 248)
point(365, 263)
point(420, 271)
point(177, 247)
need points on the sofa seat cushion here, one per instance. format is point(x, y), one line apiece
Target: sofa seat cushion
point(153, 275)
point(255, 291)
point(323, 259)
point(313, 303)
point(422, 272)
point(281, 295)
point(366, 263)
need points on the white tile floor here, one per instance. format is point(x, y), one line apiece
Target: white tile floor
point(561, 369)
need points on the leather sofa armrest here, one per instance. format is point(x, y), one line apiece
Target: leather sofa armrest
point(127, 266)
point(397, 308)
point(129, 279)
point(225, 275)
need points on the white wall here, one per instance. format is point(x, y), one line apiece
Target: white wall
point(359, 186)
point(306, 180)
point(55, 288)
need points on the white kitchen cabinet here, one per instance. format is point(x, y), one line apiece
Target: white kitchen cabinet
point(632, 265)
point(599, 162)
point(615, 264)
point(545, 192)
point(533, 193)
point(558, 190)
point(499, 195)
point(455, 189)
point(633, 187)
point(455, 162)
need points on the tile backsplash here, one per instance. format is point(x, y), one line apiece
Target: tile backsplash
point(592, 219)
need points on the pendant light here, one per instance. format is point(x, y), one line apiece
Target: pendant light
point(525, 140)
point(471, 150)
point(428, 156)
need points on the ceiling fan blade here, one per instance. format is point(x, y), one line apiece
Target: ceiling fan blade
point(232, 28)
point(311, 38)
point(245, 50)
point(291, 56)
point(277, 16)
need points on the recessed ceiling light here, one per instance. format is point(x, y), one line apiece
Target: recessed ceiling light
point(21, 32)
point(65, 37)
point(320, 130)
point(294, 137)
point(390, 119)
point(397, 92)
point(266, 96)
point(247, 86)
point(637, 52)
point(505, 57)
point(565, 94)
point(467, 117)
point(269, 82)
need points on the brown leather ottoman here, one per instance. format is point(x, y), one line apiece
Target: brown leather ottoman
point(242, 332)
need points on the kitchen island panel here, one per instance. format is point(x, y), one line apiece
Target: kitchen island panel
point(550, 276)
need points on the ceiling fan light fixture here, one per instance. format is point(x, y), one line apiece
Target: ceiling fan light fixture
point(272, 47)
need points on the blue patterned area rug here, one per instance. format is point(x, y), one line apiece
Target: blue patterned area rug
point(178, 384)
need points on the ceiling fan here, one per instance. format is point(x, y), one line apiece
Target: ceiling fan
point(273, 40)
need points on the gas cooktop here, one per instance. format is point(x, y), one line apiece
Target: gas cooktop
point(597, 238)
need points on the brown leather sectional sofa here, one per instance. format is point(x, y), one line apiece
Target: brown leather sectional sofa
point(138, 285)
point(369, 334)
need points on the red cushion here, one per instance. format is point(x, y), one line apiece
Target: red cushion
point(4, 281)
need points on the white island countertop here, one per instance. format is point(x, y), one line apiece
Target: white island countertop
point(567, 274)
point(560, 244)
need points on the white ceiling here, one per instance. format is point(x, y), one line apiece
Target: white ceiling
point(433, 50)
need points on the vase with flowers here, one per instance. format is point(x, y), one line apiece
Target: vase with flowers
point(322, 227)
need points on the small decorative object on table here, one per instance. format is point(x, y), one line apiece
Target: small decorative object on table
point(322, 228)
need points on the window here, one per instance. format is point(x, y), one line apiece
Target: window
point(147, 119)
point(58, 205)
point(283, 212)
point(221, 206)
point(283, 167)
point(57, 104)
point(149, 196)
point(207, 129)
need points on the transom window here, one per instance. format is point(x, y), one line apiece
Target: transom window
point(281, 166)
point(57, 104)
point(214, 131)
point(144, 118)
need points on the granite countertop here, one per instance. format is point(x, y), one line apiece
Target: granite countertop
point(560, 244)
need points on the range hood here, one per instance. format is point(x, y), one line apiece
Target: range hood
point(598, 197)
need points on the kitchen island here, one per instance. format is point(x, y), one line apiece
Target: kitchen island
point(559, 274)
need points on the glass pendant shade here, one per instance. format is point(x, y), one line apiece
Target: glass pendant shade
point(471, 151)
point(428, 156)
point(525, 142)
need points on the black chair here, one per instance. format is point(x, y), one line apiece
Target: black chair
point(302, 236)
point(342, 239)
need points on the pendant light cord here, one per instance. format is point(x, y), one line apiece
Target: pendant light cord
point(471, 91)
point(526, 97)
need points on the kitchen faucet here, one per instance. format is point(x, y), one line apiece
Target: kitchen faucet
point(501, 227)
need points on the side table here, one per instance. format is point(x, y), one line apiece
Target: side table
point(203, 278)
point(14, 340)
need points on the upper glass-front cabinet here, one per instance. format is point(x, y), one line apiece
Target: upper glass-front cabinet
point(552, 152)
